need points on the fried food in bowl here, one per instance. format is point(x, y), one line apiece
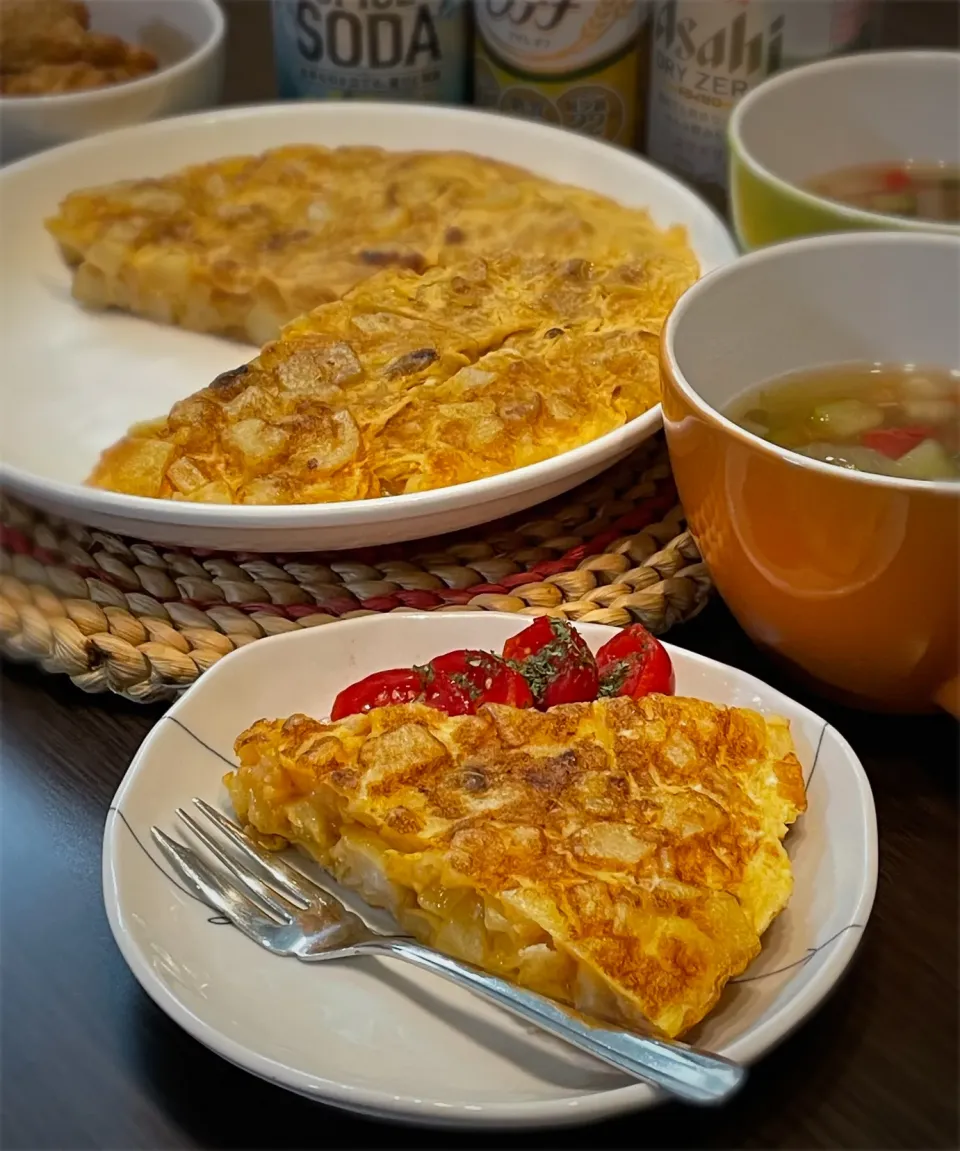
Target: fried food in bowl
point(48, 47)
point(71, 69)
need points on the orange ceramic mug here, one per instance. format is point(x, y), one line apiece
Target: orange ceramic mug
point(852, 578)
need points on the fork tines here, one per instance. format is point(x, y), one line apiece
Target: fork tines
point(268, 885)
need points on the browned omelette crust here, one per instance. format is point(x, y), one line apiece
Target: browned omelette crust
point(621, 856)
point(413, 382)
point(243, 245)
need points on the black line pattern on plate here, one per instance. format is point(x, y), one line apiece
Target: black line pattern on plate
point(816, 755)
point(193, 735)
point(217, 920)
point(811, 952)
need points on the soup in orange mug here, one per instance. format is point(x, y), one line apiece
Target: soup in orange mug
point(850, 575)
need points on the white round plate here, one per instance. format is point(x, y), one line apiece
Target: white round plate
point(381, 1038)
point(74, 381)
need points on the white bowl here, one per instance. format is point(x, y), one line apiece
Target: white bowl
point(382, 1038)
point(74, 381)
point(186, 36)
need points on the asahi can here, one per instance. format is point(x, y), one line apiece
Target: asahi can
point(707, 54)
point(372, 49)
point(577, 63)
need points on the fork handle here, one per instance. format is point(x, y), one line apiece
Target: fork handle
point(692, 1075)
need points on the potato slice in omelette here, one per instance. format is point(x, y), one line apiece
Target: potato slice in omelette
point(622, 856)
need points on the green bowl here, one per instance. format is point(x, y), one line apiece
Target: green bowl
point(871, 108)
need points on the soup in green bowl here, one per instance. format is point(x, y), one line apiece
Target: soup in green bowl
point(806, 144)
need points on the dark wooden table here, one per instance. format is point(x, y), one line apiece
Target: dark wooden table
point(87, 1061)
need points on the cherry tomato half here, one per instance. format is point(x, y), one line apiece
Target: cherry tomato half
point(555, 661)
point(462, 681)
point(383, 688)
point(896, 180)
point(633, 663)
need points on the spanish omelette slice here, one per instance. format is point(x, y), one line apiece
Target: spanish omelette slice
point(243, 245)
point(413, 382)
point(621, 856)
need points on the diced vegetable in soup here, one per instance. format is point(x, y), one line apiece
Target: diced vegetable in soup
point(918, 191)
point(892, 421)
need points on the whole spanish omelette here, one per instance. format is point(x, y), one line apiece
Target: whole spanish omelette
point(448, 317)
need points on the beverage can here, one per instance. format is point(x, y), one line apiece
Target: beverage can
point(371, 49)
point(707, 54)
point(575, 63)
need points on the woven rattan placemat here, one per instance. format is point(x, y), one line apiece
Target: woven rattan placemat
point(121, 615)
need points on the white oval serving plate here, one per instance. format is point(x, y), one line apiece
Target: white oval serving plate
point(381, 1038)
point(74, 381)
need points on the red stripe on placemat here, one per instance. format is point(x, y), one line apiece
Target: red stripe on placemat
point(299, 610)
point(380, 603)
point(486, 589)
point(424, 600)
point(514, 580)
point(635, 521)
point(457, 595)
point(15, 541)
point(202, 555)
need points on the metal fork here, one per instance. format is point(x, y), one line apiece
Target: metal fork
point(289, 914)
